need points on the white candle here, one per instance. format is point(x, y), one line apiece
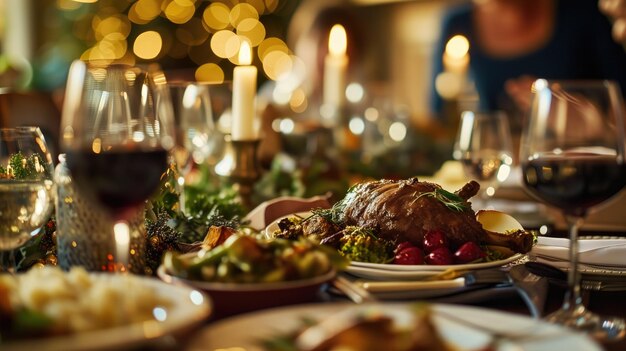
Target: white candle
point(244, 126)
point(335, 67)
point(122, 244)
point(456, 55)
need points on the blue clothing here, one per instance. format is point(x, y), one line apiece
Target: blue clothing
point(581, 47)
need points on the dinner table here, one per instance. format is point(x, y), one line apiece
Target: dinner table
point(511, 299)
point(504, 300)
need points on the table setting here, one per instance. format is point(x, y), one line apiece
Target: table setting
point(212, 265)
point(174, 221)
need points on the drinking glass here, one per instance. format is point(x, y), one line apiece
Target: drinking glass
point(193, 117)
point(572, 158)
point(116, 132)
point(26, 188)
point(483, 146)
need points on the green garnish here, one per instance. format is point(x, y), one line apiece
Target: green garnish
point(450, 200)
point(21, 167)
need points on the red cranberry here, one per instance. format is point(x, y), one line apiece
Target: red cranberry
point(403, 245)
point(439, 256)
point(409, 255)
point(434, 239)
point(469, 252)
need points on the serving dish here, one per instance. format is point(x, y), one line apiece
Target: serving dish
point(382, 271)
point(245, 332)
point(234, 298)
point(188, 308)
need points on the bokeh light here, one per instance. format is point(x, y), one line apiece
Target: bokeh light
point(271, 44)
point(298, 102)
point(210, 73)
point(397, 131)
point(252, 29)
point(144, 11)
point(356, 125)
point(180, 11)
point(241, 12)
point(457, 46)
point(225, 44)
point(355, 92)
point(148, 45)
point(216, 16)
point(276, 64)
point(371, 114)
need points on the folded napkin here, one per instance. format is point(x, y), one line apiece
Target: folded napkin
point(603, 252)
point(267, 212)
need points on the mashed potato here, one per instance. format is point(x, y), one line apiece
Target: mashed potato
point(78, 301)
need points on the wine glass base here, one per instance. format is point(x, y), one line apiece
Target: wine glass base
point(600, 328)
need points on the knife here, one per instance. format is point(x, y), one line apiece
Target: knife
point(474, 279)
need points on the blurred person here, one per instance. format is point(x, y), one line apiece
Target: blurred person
point(513, 42)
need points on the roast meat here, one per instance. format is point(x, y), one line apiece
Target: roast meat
point(404, 210)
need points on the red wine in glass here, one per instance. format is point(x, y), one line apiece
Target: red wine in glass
point(118, 180)
point(574, 181)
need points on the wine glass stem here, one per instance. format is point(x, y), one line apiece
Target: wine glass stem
point(573, 299)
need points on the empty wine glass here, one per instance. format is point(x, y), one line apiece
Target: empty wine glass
point(116, 132)
point(193, 117)
point(483, 146)
point(572, 158)
point(26, 188)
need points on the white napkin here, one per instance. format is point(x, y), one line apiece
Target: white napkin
point(268, 211)
point(604, 252)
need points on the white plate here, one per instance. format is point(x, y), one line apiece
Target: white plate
point(398, 271)
point(243, 332)
point(434, 268)
point(188, 308)
point(383, 274)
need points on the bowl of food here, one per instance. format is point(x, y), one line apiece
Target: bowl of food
point(249, 272)
point(51, 309)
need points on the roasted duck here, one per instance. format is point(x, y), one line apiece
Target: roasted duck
point(405, 210)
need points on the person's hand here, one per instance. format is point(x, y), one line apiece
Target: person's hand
point(519, 90)
point(616, 10)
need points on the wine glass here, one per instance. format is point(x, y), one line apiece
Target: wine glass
point(26, 188)
point(483, 146)
point(572, 158)
point(193, 117)
point(116, 132)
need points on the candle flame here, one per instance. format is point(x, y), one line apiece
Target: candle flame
point(457, 47)
point(245, 53)
point(337, 40)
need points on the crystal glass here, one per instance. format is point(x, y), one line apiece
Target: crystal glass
point(26, 188)
point(117, 130)
point(193, 115)
point(572, 158)
point(483, 146)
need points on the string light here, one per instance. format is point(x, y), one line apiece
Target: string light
point(206, 33)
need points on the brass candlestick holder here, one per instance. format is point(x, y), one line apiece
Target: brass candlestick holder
point(240, 166)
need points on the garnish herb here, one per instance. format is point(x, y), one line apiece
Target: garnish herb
point(451, 200)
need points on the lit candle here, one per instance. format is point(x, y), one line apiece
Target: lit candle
point(244, 97)
point(456, 55)
point(335, 66)
point(122, 241)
